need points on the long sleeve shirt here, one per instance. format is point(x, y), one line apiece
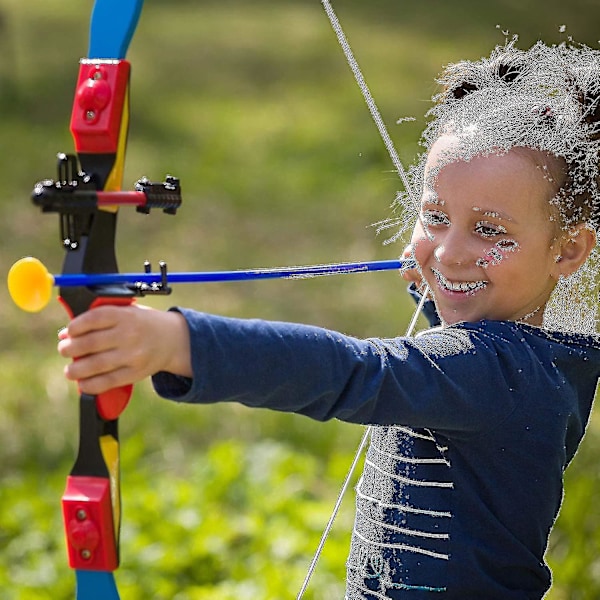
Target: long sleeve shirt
point(474, 426)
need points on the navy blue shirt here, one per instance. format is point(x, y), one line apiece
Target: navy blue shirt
point(475, 424)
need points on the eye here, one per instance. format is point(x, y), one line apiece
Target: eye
point(489, 230)
point(434, 218)
point(507, 244)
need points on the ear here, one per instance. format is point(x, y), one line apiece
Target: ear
point(575, 247)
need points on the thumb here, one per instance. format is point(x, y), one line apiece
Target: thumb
point(410, 274)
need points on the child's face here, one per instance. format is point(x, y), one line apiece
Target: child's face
point(488, 249)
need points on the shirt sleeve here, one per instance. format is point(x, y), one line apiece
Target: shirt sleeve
point(449, 379)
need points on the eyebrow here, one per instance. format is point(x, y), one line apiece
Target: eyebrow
point(431, 199)
point(493, 214)
point(485, 212)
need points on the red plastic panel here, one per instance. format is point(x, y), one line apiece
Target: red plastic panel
point(98, 108)
point(89, 526)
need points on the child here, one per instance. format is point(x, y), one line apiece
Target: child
point(476, 419)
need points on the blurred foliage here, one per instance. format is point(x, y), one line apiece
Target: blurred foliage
point(253, 106)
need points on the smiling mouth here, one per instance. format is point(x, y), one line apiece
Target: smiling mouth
point(458, 286)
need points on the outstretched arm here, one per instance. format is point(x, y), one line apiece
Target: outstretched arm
point(113, 346)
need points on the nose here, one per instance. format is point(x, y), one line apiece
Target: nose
point(452, 249)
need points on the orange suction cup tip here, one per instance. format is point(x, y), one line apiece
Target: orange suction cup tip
point(30, 284)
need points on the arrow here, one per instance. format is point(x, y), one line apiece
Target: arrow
point(30, 284)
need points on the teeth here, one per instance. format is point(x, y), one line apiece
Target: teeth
point(463, 286)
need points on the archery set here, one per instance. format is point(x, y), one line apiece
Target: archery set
point(86, 195)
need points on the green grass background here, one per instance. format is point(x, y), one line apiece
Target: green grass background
point(252, 105)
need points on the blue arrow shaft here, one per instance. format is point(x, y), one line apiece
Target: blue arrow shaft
point(87, 280)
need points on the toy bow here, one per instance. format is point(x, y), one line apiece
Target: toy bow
point(86, 194)
point(99, 124)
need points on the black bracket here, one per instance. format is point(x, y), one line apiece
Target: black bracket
point(74, 196)
point(161, 288)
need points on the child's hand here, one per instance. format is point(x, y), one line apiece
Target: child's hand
point(413, 274)
point(410, 274)
point(115, 346)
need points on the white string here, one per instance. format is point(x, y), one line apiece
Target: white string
point(334, 512)
point(385, 136)
point(357, 455)
point(360, 80)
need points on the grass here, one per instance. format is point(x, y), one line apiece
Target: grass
point(253, 106)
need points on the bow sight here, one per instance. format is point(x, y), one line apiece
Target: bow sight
point(75, 196)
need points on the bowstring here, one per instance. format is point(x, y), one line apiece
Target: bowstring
point(361, 446)
point(387, 140)
point(385, 136)
point(368, 97)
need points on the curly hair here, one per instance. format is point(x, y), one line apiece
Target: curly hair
point(545, 99)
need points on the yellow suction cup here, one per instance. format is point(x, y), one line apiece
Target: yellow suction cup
point(30, 284)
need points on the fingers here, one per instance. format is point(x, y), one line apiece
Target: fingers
point(114, 346)
point(89, 343)
point(105, 344)
point(410, 274)
point(96, 364)
point(87, 333)
point(418, 234)
point(99, 318)
point(99, 383)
